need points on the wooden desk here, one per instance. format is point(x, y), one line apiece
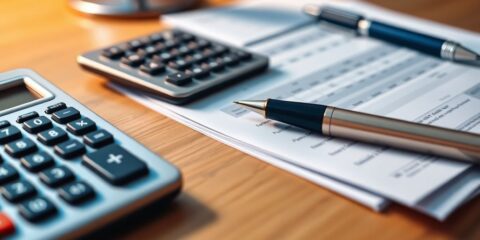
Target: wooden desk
point(228, 194)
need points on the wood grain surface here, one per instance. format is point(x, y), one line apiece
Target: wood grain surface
point(227, 194)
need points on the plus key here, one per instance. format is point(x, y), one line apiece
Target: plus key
point(115, 164)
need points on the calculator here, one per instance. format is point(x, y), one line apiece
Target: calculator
point(65, 171)
point(174, 65)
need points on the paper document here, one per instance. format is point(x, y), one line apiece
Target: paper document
point(317, 63)
point(264, 21)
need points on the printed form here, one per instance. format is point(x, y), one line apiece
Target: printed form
point(318, 63)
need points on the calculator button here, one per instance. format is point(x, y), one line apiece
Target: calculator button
point(179, 78)
point(37, 161)
point(133, 60)
point(230, 59)
point(198, 72)
point(17, 191)
point(81, 126)
point(179, 64)
point(9, 134)
point(37, 124)
point(244, 56)
point(27, 116)
point(216, 65)
point(197, 57)
point(36, 209)
point(6, 225)
point(152, 68)
point(56, 176)
point(219, 49)
point(148, 51)
point(205, 67)
point(52, 136)
point(55, 107)
point(4, 124)
point(163, 57)
point(207, 53)
point(135, 44)
point(202, 43)
point(184, 50)
point(169, 44)
point(76, 192)
point(156, 37)
point(187, 37)
point(193, 46)
point(66, 115)
point(7, 173)
point(159, 47)
point(113, 52)
point(70, 149)
point(115, 164)
point(98, 138)
point(174, 52)
point(20, 147)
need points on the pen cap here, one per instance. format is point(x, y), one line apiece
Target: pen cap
point(304, 115)
point(340, 17)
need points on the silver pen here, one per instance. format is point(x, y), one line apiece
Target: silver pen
point(343, 123)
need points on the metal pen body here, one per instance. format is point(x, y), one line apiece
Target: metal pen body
point(401, 134)
point(364, 127)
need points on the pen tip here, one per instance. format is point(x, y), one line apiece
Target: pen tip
point(258, 106)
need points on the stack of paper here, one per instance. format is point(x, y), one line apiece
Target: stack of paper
point(318, 63)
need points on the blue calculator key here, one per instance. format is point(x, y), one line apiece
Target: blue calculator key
point(56, 176)
point(7, 173)
point(70, 149)
point(37, 209)
point(98, 138)
point(81, 126)
point(4, 124)
point(152, 68)
point(52, 136)
point(37, 124)
point(55, 107)
point(113, 52)
point(37, 161)
point(27, 116)
point(20, 147)
point(17, 191)
point(243, 56)
point(179, 78)
point(66, 115)
point(9, 134)
point(115, 164)
point(133, 60)
point(76, 192)
point(198, 72)
point(230, 59)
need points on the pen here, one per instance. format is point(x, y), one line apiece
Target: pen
point(337, 122)
point(442, 48)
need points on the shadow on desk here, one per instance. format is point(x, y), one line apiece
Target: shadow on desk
point(155, 221)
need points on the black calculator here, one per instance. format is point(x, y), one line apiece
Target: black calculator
point(64, 171)
point(174, 65)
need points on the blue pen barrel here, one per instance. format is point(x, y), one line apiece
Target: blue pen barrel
point(402, 37)
point(304, 115)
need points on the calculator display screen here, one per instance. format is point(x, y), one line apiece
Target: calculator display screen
point(16, 95)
